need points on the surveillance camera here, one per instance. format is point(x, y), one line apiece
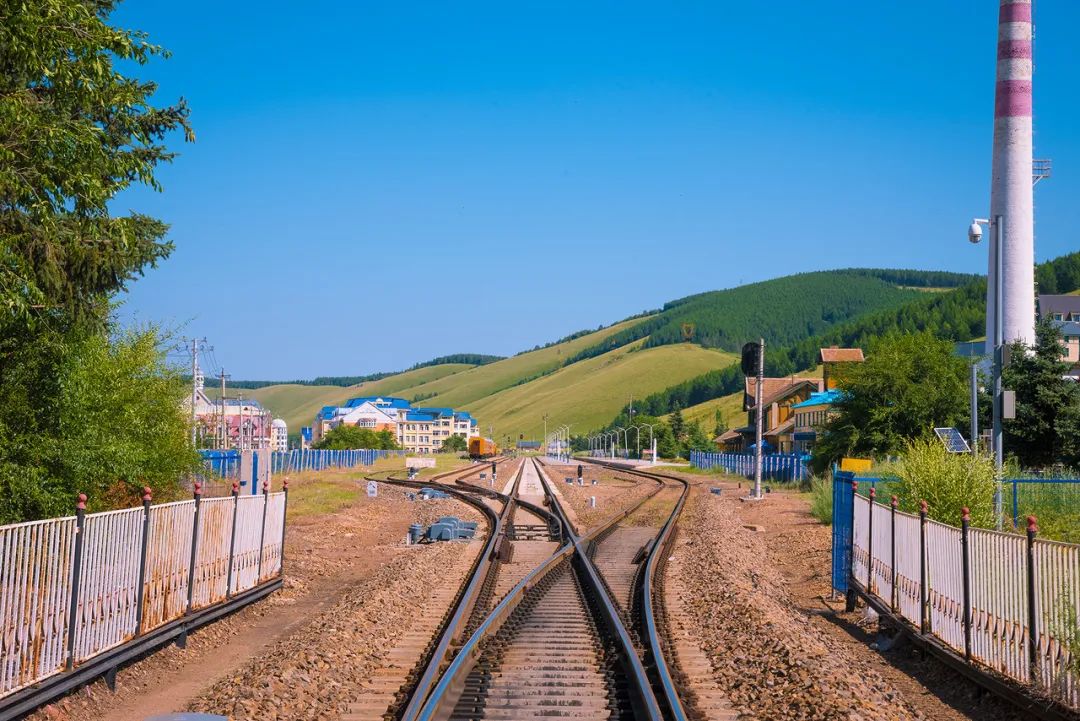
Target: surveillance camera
point(975, 233)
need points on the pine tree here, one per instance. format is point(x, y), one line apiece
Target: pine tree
point(678, 424)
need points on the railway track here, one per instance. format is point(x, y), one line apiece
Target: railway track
point(563, 620)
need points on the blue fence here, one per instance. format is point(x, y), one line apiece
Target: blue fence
point(774, 466)
point(226, 464)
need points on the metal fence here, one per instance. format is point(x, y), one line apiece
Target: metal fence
point(783, 467)
point(71, 589)
point(1006, 602)
point(226, 463)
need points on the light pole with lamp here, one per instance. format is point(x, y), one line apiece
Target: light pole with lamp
point(997, 226)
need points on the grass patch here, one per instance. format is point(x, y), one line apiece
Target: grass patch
point(320, 496)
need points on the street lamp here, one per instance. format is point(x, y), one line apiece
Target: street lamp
point(975, 235)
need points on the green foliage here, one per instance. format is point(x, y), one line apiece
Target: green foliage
point(1061, 275)
point(821, 499)
point(678, 424)
point(908, 385)
point(476, 359)
point(696, 439)
point(345, 437)
point(948, 482)
point(454, 444)
point(75, 132)
point(719, 424)
point(811, 304)
point(1046, 429)
point(79, 412)
point(86, 414)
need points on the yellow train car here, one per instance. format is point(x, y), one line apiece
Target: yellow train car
point(482, 448)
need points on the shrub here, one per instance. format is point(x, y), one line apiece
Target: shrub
point(821, 499)
point(947, 482)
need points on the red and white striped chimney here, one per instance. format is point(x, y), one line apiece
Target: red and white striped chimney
point(1011, 193)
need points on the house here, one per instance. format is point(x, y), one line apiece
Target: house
point(779, 395)
point(834, 359)
point(364, 414)
point(1064, 312)
point(809, 416)
point(240, 423)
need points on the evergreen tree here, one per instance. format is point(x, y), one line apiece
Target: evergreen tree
point(1047, 424)
point(678, 424)
point(719, 424)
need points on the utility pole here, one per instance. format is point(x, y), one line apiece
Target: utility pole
point(240, 428)
point(974, 409)
point(196, 382)
point(760, 412)
point(546, 440)
point(222, 427)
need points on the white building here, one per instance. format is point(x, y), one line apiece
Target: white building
point(279, 435)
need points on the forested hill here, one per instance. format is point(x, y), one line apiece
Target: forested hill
point(473, 359)
point(784, 311)
point(958, 315)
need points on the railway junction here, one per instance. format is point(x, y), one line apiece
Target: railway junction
point(622, 593)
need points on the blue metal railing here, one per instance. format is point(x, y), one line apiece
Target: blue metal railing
point(226, 463)
point(774, 466)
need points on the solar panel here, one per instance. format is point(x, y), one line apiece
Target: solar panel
point(954, 442)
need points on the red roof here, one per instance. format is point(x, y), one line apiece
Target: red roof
point(775, 389)
point(841, 355)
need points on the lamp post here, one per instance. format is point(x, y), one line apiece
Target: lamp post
point(975, 233)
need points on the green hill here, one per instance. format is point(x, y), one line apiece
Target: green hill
point(682, 353)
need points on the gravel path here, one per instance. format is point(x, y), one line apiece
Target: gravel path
point(772, 662)
point(316, 673)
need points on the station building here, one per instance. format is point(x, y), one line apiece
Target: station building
point(418, 430)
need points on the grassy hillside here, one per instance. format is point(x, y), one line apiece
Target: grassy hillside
point(472, 385)
point(587, 394)
point(298, 404)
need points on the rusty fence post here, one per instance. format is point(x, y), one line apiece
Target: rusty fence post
point(140, 589)
point(194, 547)
point(1033, 630)
point(870, 543)
point(76, 577)
point(892, 556)
point(232, 540)
point(965, 550)
point(923, 620)
point(284, 514)
point(262, 532)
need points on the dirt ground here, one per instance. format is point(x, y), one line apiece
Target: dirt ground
point(341, 542)
point(797, 547)
point(614, 491)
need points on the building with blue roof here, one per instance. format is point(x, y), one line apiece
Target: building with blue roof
point(419, 430)
point(810, 415)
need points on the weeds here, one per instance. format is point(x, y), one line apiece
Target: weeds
point(821, 499)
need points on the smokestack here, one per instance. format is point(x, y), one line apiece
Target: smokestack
point(1011, 193)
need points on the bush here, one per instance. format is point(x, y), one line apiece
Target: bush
point(821, 499)
point(948, 482)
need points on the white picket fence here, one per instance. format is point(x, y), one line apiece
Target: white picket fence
point(987, 618)
point(134, 570)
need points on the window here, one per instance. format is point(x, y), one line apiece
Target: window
point(1057, 316)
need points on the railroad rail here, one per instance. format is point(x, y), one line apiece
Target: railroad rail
point(560, 642)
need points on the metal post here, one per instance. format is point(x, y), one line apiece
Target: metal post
point(999, 342)
point(262, 532)
point(194, 547)
point(284, 516)
point(232, 539)
point(974, 409)
point(1033, 629)
point(965, 560)
point(194, 386)
point(923, 621)
point(892, 556)
point(869, 543)
point(849, 605)
point(758, 430)
point(140, 589)
point(76, 577)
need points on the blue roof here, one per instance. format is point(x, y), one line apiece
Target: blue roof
point(462, 414)
point(327, 412)
point(825, 398)
point(437, 411)
point(382, 401)
point(306, 433)
point(418, 416)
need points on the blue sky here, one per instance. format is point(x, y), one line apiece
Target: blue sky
point(375, 184)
